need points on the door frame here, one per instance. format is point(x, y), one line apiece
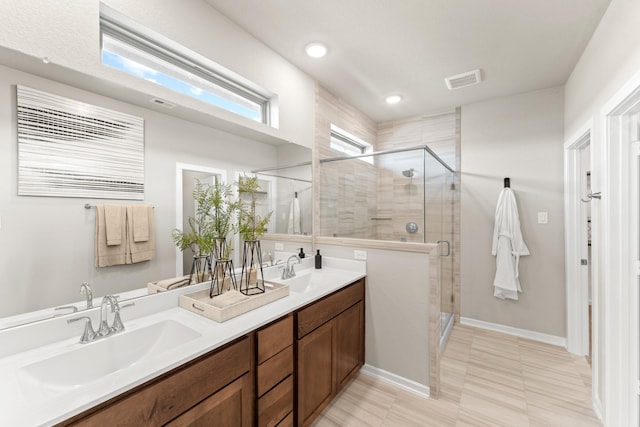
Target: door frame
point(620, 253)
point(576, 275)
point(180, 168)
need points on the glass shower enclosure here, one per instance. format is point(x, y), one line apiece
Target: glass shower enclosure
point(402, 195)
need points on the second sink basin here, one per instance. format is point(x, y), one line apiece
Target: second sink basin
point(310, 278)
point(86, 363)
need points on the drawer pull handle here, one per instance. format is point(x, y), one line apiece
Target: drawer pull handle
point(196, 307)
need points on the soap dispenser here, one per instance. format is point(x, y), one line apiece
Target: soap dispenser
point(301, 254)
point(318, 260)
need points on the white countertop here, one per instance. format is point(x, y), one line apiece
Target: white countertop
point(25, 404)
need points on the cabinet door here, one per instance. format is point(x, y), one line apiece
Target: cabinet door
point(229, 407)
point(349, 343)
point(316, 376)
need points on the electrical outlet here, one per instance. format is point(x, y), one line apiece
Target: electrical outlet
point(543, 217)
point(361, 255)
point(279, 247)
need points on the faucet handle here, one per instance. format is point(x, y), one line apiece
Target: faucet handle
point(88, 334)
point(117, 325)
point(73, 309)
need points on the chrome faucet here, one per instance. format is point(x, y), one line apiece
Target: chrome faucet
point(85, 289)
point(104, 330)
point(288, 271)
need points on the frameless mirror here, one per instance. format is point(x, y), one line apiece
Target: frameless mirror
point(39, 232)
point(287, 192)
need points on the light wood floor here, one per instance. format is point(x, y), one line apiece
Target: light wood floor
point(488, 379)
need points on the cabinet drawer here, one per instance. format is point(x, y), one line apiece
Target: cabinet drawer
point(326, 309)
point(159, 401)
point(287, 422)
point(275, 370)
point(274, 406)
point(230, 406)
point(274, 338)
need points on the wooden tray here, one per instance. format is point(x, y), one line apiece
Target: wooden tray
point(230, 304)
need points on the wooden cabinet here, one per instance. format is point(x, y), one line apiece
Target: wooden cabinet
point(330, 349)
point(192, 391)
point(349, 330)
point(283, 374)
point(274, 378)
point(229, 407)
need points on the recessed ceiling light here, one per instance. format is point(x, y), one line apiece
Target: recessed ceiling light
point(316, 50)
point(393, 99)
point(45, 60)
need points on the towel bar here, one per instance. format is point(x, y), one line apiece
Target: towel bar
point(88, 206)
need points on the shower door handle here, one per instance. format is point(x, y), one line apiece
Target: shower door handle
point(448, 247)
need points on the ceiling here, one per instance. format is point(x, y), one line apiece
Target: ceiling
point(408, 47)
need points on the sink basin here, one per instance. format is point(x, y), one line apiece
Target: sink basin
point(308, 279)
point(89, 362)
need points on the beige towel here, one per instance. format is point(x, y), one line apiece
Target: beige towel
point(141, 251)
point(114, 224)
point(140, 223)
point(174, 282)
point(106, 255)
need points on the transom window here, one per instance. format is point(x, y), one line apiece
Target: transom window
point(137, 52)
point(349, 144)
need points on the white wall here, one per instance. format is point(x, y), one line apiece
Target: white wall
point(46, 243)
point(611, 58)
point(68, 34)
point(520, 137)
point(396, 312)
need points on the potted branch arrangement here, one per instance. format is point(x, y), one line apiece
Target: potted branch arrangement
point(251, 227)
point(221, 214)
point(200, 238)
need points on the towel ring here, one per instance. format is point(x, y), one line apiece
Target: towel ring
point(592, 196)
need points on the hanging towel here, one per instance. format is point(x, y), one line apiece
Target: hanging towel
point(106, 255)
point(114, 223)
point(294, 226)
point(508, 246)
point(139, 251)
point(140, 223)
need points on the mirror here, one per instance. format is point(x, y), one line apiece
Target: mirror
point(288, 192)
point(47, 243)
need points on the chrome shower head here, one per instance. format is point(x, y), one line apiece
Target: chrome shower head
point(408, 173)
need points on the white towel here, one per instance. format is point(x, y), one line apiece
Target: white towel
point(294, 226)
point(508, 246)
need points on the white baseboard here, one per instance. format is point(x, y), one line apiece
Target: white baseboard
point(396, 380)
point(597, 408)
point(522, 333)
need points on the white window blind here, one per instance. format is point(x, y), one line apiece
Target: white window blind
point(68, 148)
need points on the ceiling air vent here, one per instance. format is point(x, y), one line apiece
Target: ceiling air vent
point(469, 78)
point(162, 102)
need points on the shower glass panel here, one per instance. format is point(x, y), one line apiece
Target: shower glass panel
point(404, 195)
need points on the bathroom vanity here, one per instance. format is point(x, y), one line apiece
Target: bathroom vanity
point(254, 376)
point(280, 364)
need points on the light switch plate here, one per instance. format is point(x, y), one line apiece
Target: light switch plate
point(543, 217)
point(279, 247)
point(361, 255)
